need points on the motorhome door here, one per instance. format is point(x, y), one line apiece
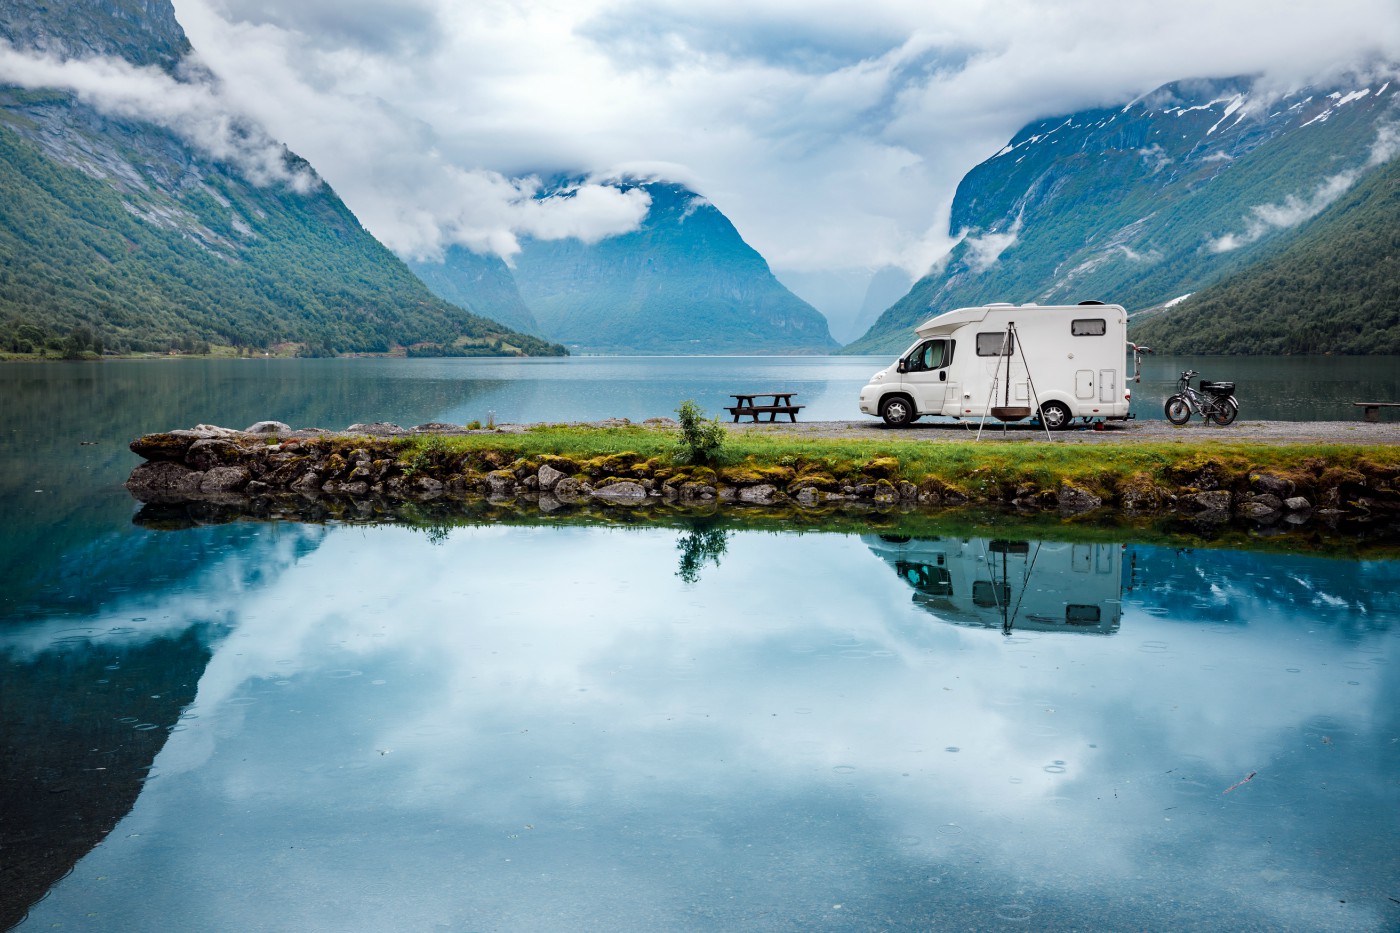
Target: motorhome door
point(926, 373)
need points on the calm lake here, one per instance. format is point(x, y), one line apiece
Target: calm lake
point(574, 726)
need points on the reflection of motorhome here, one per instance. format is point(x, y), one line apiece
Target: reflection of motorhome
point(1042, 586)
point(1070, 361)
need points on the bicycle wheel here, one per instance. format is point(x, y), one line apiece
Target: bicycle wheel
point(1224, 412)
point(1177, 411)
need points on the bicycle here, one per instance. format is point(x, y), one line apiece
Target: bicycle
point(1214, 402)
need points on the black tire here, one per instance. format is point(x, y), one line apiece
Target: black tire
point(898, 411)
point(1225, 411)
point(1176, 410)
point(1055, 416)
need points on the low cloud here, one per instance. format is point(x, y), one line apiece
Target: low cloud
point(416, 201)
point(832, 136)
point(985, 251)
point(194, 111)
point(1293, 210)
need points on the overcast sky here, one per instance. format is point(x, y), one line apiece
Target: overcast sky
point(832, 133)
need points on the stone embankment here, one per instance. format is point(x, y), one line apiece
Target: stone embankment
point(269, 460)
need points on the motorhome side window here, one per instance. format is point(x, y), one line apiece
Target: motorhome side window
point(996, 343)
point(933, 354)
point(1088, 327)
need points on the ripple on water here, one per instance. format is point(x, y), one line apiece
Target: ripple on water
point(844, 769)
point(1015, 913)
point(1153, 646)
point(1055, 767)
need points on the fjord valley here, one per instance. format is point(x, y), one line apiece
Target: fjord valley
point(473, 618)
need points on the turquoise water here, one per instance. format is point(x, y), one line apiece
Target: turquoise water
point(270, 726)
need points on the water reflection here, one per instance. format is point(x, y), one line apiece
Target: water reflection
point(1036, 586)
point(705, 541)
point(533, 727)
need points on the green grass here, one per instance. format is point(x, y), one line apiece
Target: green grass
point(967, 465)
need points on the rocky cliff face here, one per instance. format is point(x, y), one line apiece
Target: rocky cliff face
point(1151, 201)
point(683, 282)
point(143, 32)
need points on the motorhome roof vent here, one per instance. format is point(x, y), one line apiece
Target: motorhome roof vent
point(1091, 302)
point(1000, 304)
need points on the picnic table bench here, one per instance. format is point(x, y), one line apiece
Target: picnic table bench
point(1372, 410)
point(778, 403)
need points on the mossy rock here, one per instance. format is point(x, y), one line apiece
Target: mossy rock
point(566, 465)
point(334, 465)
point(937, 485)
point(166, 446)
point(1337, 476)
point(618, 464)
point(881, 468)
point(700, 475)
point(822, 481)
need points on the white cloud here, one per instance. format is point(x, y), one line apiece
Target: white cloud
point(1264, 219)
point(403, 189)
point(833, 136)
point(985, 251)
point(195, 111)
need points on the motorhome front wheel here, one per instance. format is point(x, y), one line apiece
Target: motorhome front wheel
point(898, 411)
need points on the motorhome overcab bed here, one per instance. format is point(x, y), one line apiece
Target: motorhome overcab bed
point(1009, 362)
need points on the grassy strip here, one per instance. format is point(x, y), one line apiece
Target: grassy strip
point(977, 469)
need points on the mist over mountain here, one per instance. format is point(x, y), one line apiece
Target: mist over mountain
point(683, 282)
point(136, 215)
point(1146, 203)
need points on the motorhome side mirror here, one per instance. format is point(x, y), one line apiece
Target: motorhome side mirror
point(902, 366)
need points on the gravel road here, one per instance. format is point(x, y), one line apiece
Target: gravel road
point(1117, 432)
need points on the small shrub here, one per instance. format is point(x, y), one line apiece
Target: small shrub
point(699, 440)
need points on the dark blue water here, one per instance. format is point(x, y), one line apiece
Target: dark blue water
point(267, 726)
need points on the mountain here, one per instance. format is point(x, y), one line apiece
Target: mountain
point(683, 282)
point(118, 232)
point(1142, 204)
point(483, 283)
point(1333, 288)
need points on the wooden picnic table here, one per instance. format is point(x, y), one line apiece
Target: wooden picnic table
point(777, 403)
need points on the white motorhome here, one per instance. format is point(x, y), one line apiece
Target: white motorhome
point(1009, 362)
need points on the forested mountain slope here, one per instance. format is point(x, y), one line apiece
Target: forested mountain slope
point(1333, 288)
point(118, 233)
